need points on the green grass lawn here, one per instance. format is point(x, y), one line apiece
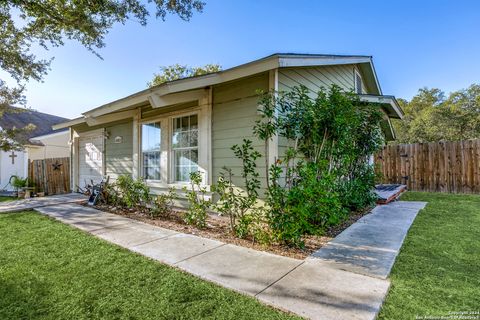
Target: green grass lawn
point(438, 268)
point(3, 198)
point(51, 271)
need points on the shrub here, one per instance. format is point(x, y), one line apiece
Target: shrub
point(132, 192)
point(234, 202)
point(198, 204)
point(162, 204)
point(326, 173)
point(357, 194)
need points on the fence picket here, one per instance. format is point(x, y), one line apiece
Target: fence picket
point(51, 176)
point(436, 166)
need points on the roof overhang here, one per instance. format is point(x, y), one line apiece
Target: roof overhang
point(168, 92)
point(388, 103)
point(69, 123)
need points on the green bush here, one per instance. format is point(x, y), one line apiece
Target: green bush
point(357, 194)
point(162, 204)
point(233, 202)
point(325, 173)
point(198, 204)
point(132, 193)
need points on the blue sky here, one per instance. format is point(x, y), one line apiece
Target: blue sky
point(414, 44)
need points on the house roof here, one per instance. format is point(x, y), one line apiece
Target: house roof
point(274, 61)
point(21, 118)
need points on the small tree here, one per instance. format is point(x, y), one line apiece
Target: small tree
point(198, 204)
point(234, 202)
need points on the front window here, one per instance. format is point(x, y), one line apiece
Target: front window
point(185, 147)
point(151, 143)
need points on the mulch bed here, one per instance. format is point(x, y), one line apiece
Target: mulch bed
point(218, 229)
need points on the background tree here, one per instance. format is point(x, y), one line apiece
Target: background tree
point(31, 23)
point(430, 116)
point(177, 71)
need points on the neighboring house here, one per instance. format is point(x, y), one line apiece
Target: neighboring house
point(40, 143)
point(165, 132)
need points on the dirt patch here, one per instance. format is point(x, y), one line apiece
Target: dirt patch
point(218, 229)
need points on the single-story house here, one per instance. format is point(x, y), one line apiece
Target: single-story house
point(165, 132)
point(40, 143)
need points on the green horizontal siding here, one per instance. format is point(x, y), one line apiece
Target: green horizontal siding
point(315, 78)
point(119, 156)
point(234, 113)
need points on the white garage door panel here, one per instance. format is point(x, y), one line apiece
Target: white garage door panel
point(90, 159)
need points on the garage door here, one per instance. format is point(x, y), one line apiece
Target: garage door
point(90, 160)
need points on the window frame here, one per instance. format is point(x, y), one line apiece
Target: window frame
point(355, 84)
point(171, 150)
point(142, 167)
point(204, 151)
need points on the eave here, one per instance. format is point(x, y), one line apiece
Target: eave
point(388, 103)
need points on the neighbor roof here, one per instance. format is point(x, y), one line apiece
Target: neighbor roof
point(20, 118)
point(274, 61)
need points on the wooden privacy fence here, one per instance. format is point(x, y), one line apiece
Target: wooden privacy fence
point(51, 176)
point(436, 166)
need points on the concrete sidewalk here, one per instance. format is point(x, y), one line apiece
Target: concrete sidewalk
point(313, 288)
point(371, 245)
point(32, 203)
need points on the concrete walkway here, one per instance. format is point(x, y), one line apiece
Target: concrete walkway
point(316, 288)
point(371, 245)
point(32, 203)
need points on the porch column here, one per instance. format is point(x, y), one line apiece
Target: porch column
point(74, 168)
point(136, 143)
point(205, 137)
point(273, 142)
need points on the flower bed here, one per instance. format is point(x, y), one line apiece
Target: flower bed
point(218, 228)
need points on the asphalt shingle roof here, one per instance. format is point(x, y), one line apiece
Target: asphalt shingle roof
point(43, 122)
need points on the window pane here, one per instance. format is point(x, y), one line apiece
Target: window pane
point(185, 147)
point(180, 140)
point(151, 142)
point(193, 122)
point(193, 138)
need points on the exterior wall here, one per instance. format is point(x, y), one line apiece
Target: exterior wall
point(7, 169)
point(119, 149)
point(234, 113)
point(314, 78)
point(55, 146)
point(84, 130)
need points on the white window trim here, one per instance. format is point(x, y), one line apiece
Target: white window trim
point(167, 179)
point(355, 74)
point(172, 175)
point(141, 150)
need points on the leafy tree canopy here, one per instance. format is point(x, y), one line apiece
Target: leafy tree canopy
point(25, 24)
point(431, 116)
point(177, 71)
